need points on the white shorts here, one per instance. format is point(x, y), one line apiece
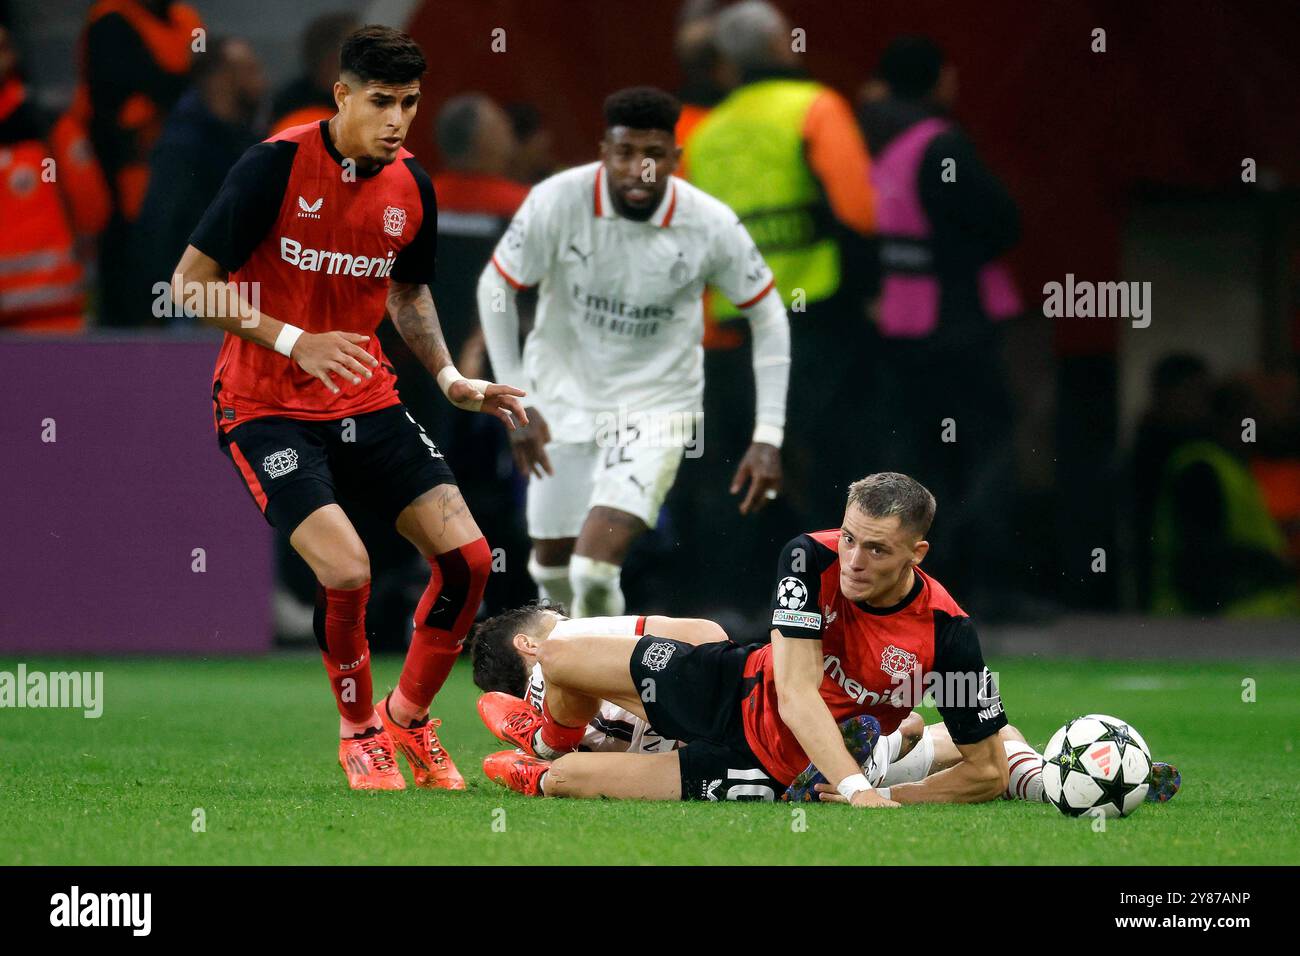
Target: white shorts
point(633, 477)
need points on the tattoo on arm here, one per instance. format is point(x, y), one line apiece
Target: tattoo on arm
point(416, 319)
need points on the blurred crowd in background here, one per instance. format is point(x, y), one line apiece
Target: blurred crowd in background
point(905, 307)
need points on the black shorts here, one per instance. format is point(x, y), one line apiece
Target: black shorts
point(693, 693)
point(292, 466)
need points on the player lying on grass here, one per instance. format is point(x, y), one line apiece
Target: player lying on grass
point(852, 616)
point(506, 648)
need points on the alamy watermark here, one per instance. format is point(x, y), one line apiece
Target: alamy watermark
point(76, 690)
point(624, 429)
point(1098, 300)
point(210, 300)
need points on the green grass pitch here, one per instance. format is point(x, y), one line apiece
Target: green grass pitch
point(251, 743)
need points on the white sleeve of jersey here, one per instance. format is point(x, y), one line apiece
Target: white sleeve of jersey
point(770, 327)
point(623, 625)
point(523, 255)
point(739, 270)
point(499, 319)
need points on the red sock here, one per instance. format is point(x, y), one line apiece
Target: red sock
point(341, 633)
point(556, 735)
point(443, 618)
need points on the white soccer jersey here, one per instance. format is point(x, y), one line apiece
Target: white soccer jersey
point(620, 316)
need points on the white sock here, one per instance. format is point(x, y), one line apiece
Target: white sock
point(1026, 765)
point(915, 765)
point(543, 751)
point(596, 591)
point(552, 583)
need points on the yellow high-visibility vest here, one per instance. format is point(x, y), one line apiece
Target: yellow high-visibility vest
point(749, 152)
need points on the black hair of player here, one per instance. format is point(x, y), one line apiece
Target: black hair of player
point(910, 67)
point(642, 107)
point(497, 665)
point(376, 54)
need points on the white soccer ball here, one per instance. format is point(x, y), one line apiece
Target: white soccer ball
point(1096, 763)
point(791, 594)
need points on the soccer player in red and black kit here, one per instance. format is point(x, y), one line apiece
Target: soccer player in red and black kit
point(334, 224)
point(855, 624)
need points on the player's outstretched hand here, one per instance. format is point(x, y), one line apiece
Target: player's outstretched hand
point(334, 353)
point(761, 470)
point(528, 444)
point(863, 798)
point(477, 395)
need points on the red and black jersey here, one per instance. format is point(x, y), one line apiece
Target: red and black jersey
point(876, 661)
point(322, 241)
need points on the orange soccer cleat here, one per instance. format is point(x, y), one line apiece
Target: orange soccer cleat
point(518, 771)
point(511, 719)
point(429, 762)
point(369, 761)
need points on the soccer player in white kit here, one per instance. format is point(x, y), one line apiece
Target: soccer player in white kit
point(622, 251)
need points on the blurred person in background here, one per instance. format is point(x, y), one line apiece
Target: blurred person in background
point(1180, 393)
point(49, 182)
point(694, 514)
point(136, 61)
point(1215, 548)
point(1275, 461)
point(697, 58)
point(476, 200)
point(786, 154)
point(309, 97)
point(209, 129)
point(943, 220)
point(534, 155)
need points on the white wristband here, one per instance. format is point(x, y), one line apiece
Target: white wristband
point(768, 434)
point(851, 785)
point(448, 375)
point(451, 374)
point(285, 340)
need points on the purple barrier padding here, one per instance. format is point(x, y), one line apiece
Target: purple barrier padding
point(98, 528)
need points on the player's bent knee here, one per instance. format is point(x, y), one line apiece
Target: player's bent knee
point(1010, 732)
point(711, 631)
point(912, 728)
point(345, 574)
point(478, 559)
point(461, 576)
point(554, 655)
